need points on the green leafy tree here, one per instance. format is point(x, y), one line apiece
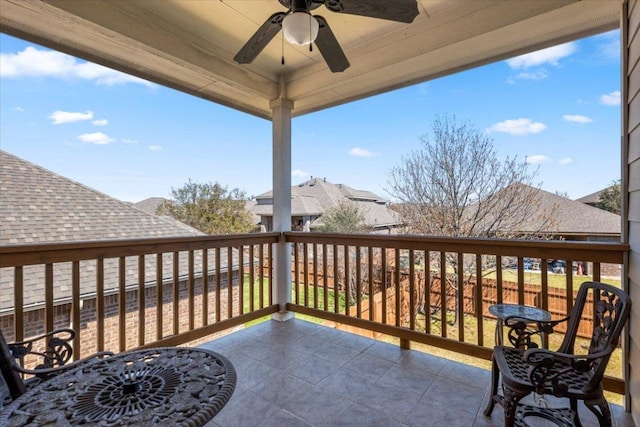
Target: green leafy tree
point(210, 208)
point(345, 217)
point(611, 199)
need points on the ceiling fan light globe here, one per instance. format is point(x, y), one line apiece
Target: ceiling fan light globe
point(300, 28)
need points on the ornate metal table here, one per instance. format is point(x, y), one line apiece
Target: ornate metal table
point(170, 386)
point(520, 312)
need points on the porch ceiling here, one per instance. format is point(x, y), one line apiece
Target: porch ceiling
point(190, 44)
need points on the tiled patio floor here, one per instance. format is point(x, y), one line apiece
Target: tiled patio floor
point(298, 373)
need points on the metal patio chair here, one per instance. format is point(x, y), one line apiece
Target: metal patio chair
point(526, 369)
point(53, 358)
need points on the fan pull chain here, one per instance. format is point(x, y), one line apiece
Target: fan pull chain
point(282, 49)
point(310, 34)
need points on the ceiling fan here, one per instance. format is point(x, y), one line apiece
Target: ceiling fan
point(302, 28)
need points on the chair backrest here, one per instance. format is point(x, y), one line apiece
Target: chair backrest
point(10, 376)
point(610, 309)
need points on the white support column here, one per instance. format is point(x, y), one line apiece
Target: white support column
point(282, 203)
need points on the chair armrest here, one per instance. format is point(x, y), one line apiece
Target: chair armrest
point(46, 373)
point(57, 352)
point(520, 335)
point(547, 368)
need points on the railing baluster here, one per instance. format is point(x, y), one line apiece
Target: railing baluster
point(141, 301)
point(385, 272)
point(296, 272)
point(122, 302)
point(460, 294)
point(176, 293)
point(270, 278)
point(241, 279)
point(521, 280)
point(596, 271)
point(325, 287)
point(100, 303)
point(205, 287)
point(75, 306)
point(427, 292)
point(315, 275)
point(499, 279)
point(443, 294)
point(48, 298)
point(544, 289)
point(261, 276)
point(191, 290)
point(347, 284)
point(479, 301)
point(159, 297)
point(305, 270)
point(569, 274)
point(358, 283)
point(336, 290)
point(218, 285)
point(252, 277)
point(372, 306)
point(18, 298)
point(398, 290)
point(229, 282)
point(412, 291)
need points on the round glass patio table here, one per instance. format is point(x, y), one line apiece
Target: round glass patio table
point(523, 313)
point(169, 386)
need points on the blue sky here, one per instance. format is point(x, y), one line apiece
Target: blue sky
point(558, 109)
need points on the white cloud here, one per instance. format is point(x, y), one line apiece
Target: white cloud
point(32, 62)
point(361, 152)
point(59, 117)
point(611, 99)
point(565, 161)
point(97, 138)
point(550, 55)
point(518, 127)
point(130, 141)
point(300, 173)
point(577, 118)
point(536, 75)
point(19, 109)
point(536, 159)
point(100, 122)
point(155, 148)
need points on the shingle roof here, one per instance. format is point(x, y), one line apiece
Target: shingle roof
point(316, 196)
point(573, 217)
point(39, 206)
point(150, 205)
point(593, 198)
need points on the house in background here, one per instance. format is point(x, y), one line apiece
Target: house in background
point(574, 220)
point(40, 207)
point(150, 204)
point(315, 197)
point(594, 198)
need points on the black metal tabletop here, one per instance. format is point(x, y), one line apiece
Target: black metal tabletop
point(170, 386)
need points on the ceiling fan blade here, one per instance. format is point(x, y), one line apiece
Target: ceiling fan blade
point(260, 39)
point(392, 10)
point(330, 48)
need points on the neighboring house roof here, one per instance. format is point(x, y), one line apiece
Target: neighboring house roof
point(150, 205)
point(38, 206)
point(316, 196)
point(572, 217)
point(593, 198)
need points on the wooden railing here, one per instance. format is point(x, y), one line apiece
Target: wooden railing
point(428, 290)
point(437, 291)
point(109, 291)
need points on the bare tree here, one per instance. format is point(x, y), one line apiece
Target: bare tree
point(456, 186)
